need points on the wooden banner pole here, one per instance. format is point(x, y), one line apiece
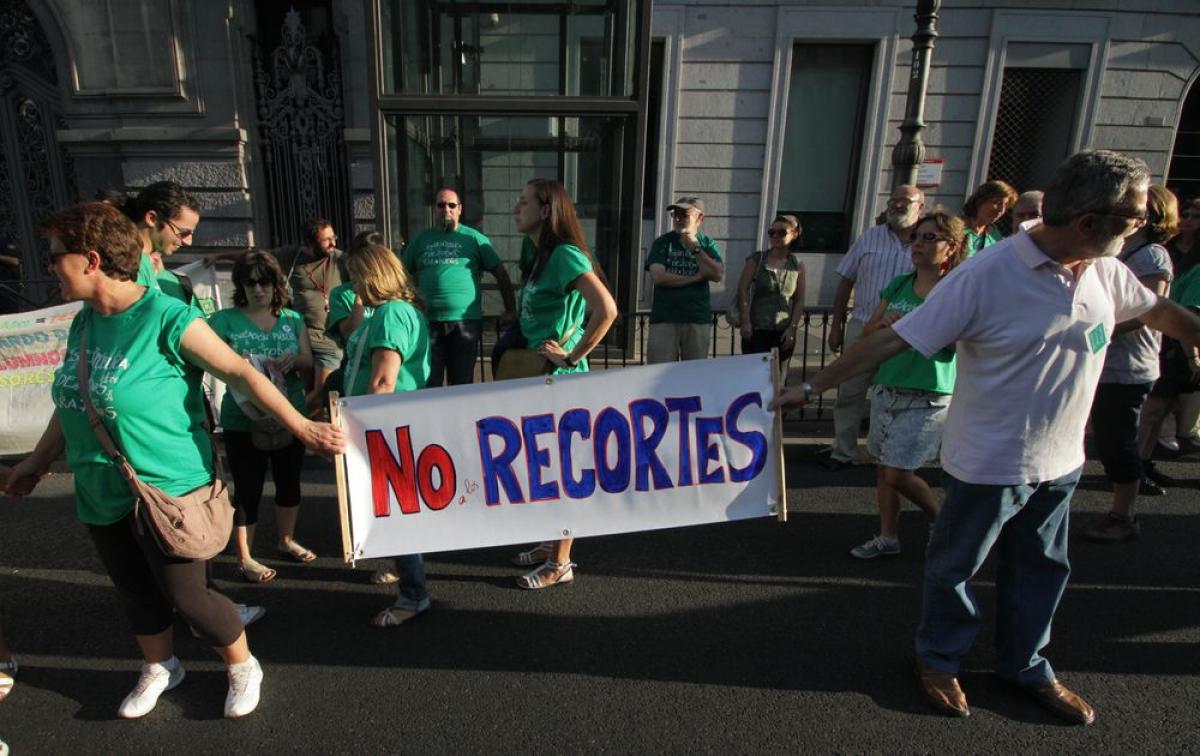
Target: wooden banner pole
point(777, 381)
point(339, 468)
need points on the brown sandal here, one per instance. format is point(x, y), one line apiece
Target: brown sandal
point(253, 572)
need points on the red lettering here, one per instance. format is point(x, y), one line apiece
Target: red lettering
point(434, 457)
point(391, 473)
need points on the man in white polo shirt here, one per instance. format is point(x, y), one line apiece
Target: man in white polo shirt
point(879, 255)
point(1031, 321)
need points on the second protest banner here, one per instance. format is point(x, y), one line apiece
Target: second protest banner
point(578, 455)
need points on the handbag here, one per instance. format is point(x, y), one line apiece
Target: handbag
point(522, 362)
point(266, 433)
point(195, 525)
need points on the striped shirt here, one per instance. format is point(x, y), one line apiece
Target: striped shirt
point(872, 262)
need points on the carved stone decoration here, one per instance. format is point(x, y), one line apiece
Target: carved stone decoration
point(22, 40)
point(300, 125)
point(34, 178)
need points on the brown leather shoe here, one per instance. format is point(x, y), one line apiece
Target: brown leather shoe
point(1063, 702)
point(941, 690)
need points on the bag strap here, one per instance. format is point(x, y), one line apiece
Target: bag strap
point(111, 450)
point(354, 361)
point(102, 435)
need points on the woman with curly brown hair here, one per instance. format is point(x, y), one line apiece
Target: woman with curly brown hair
point(273, 339)
point(141, 355)
point(982, 210)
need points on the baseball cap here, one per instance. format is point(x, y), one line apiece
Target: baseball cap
point(688, 203)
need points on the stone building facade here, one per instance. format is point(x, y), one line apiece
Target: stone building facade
point(269, 110)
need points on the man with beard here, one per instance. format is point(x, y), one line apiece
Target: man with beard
point(1030, 321)
point(447, 262)
point(879, 255)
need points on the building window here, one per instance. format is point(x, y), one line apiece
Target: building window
point(514, 49)
point(1184, 175)
point(823, 138)
point(1038, 112)
point(485, 96)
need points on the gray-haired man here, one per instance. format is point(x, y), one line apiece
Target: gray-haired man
point(1031, 321)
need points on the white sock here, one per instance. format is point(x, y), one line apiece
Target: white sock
point(249, 663)
point(171, 664)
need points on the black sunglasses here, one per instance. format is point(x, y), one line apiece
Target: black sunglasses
point(777, 232)
point(252, 282)
point(450, 205)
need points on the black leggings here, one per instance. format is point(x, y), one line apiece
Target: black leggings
point(249, 468)
point(153, 585)
point(764, 341)
point(1115, 412)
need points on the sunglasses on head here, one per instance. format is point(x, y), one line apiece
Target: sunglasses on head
point(450, 205)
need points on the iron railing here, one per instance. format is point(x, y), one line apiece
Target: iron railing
point(810, 356)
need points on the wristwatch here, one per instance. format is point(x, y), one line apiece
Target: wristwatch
point(570, 362)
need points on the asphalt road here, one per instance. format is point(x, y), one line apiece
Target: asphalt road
point(746, 638)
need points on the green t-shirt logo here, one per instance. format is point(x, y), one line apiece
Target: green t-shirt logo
point(1097, 338)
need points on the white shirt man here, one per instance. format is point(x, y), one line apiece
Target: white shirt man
point(879, 255)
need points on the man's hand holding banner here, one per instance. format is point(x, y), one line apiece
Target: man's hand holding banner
point(573, 456)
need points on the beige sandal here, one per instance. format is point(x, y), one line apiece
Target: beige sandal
point(537, 555)
point(547, 575)
point(253, 572)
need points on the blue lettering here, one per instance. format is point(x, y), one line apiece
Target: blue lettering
point(497, 469)
point(536, 457)
point(575, 421)
point(706, 452)
point(645, 458)
point(610, 422)
point(755, 441)
point(685, 406)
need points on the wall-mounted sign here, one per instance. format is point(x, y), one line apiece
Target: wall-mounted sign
point(929, 173)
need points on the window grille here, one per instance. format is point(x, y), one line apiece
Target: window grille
point(1034, 124)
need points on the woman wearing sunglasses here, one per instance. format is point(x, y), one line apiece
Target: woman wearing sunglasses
point(771, 292)
point(911, 392)
point(275, 340)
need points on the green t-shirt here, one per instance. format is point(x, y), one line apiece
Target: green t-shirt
point(681, 304)
point(1185, 291)
point(341, 304)
point(394, 325)
point(146, 276)
point(550, 307)
point(975, 242)
point(910, 369)
point(449, 266)
point(245, 337)
point(149, 398)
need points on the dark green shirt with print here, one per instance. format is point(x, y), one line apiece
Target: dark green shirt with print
point(681, 304)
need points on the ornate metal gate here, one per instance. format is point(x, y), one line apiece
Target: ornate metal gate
point(300, 126)
point(35, 175)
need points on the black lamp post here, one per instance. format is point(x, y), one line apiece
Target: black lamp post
point(910, 150)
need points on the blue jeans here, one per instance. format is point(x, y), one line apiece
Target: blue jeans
point(411, 591)
point(1028, 524)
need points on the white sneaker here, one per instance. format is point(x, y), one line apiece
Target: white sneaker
point(245, 686)
point(248, 615)
point(155, 680)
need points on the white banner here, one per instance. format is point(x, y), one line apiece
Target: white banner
point(31, 349)
point(580, 455)
point(206, 295)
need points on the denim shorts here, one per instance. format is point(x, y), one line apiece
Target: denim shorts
point(906, 426)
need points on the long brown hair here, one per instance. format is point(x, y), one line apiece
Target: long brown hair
point(560, 227)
